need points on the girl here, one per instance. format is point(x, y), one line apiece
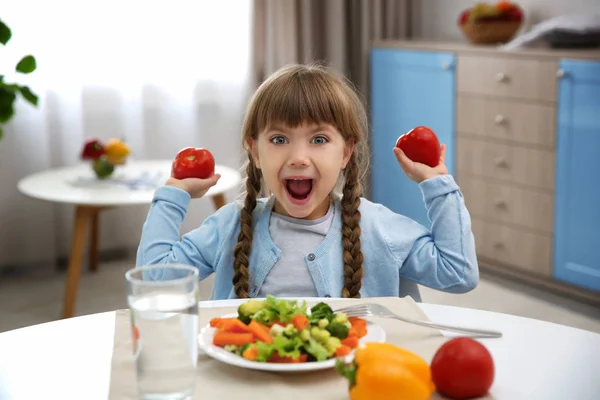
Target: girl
point(303, 228)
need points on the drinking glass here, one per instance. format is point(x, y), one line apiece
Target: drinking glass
point(163, 301)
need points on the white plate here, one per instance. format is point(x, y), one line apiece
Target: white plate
point(375, 333)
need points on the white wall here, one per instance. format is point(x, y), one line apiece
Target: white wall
point(438, 17)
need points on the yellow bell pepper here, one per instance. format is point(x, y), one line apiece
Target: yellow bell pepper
point(382, 371)
point(116, 151)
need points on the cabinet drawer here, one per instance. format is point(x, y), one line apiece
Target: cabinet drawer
point(524, 250)
point(528, 79)
point(505, 203)
point(520, 165)
point(514, 121)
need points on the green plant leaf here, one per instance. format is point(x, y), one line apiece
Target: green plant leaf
point(6, 113)
point(5, 33)
point(28, 95)
point(7, 99)
point(1, 133)
point(27, 65)
point(7, 96)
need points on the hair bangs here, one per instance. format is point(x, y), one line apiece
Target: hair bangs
point(304, 97)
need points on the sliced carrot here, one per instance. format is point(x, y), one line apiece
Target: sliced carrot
point(260, 332)
point(342, 351)
point(351, 342)
point(220, 321)
point(214, 322)
point(276, 358)
point(357, 331)
point(233, 325)
point(362, 331)
point(300, 321)
point(222, 338)
point(251, 353)
point(356, 321)
point(359, 327)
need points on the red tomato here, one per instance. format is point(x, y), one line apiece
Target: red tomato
point(421, 145)
point(462, 368)
point(193, 163)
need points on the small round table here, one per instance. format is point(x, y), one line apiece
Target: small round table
point(71, 359)
point(131, 184)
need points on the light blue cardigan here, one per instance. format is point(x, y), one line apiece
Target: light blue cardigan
point(394, 246)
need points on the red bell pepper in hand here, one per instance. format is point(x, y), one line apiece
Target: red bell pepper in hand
point(92, 150)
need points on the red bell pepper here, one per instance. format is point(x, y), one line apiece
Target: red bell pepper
point(93, 149)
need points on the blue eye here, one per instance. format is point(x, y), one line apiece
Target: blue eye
point(320, 140)
point(278, 140)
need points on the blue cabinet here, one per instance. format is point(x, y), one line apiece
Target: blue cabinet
point(408, 88)
point(577, 203)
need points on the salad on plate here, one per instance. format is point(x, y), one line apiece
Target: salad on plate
point(286, 331)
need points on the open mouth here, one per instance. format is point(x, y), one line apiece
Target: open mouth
point(299, 189)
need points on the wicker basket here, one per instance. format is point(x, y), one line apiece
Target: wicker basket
point(490, 32)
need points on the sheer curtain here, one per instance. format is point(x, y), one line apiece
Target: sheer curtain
point(162, 75)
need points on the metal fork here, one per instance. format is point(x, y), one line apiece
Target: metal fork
point(377, 310)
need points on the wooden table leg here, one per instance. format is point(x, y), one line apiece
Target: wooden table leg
point(218, 200)
point(83, 216)
point(94, 238)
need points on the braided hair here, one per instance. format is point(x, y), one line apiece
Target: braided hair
point(294, 95)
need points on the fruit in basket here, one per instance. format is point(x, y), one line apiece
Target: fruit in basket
point(193, 162)
point(382, 371)
point(421, 145)
point(462, 368)
point(484, 12)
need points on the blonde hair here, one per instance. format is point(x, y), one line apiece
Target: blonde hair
point(294, 95)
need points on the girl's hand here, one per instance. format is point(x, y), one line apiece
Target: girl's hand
point(419, 172)
point(194, 186)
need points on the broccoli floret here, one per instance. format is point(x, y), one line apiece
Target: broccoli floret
point(339, 330)
point(265, 316)
point(320, 335)
point(248, 309)
point(340, 317)
point(332, 344)
point(323, 323)
point(305, 335)
point(320, 311)
point(235, 349)
point(316, 350)
point(289, 330)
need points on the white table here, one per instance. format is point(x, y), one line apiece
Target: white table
point(70, 359)
point(77, 185)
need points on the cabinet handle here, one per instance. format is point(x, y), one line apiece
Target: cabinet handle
point(446, 65)
point(501, 77)
point(560, 73)
point(500, 162)
point(499, 119)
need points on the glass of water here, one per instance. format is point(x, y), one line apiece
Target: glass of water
point(163, 301)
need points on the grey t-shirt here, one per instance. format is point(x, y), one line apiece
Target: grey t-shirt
point(296, 238)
